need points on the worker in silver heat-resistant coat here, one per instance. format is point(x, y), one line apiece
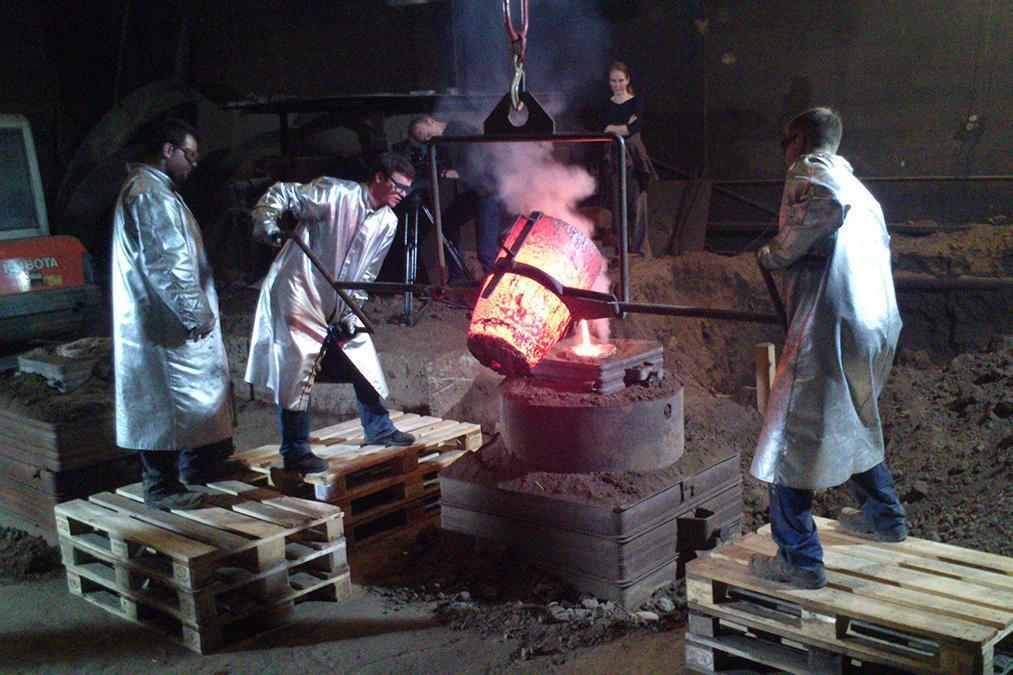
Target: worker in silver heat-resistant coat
point(302, 329)
point(173, 394)
point(822, 427)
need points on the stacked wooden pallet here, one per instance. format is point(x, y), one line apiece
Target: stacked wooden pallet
point(46, 458)
point(207, 577)
point(381, 489)
point(916, 606)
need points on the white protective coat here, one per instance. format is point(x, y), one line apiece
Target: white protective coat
point(172, 393)
point(822, 421)
point(297, 305)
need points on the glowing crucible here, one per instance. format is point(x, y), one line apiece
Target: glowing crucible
point(520, 320)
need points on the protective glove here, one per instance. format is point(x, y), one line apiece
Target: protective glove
point(276, 238)
point(346, 328)
point(273, 237)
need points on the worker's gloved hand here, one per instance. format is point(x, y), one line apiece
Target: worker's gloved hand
point(273, 237)
point(763, 257)
point(276, 238)
point(346, 328)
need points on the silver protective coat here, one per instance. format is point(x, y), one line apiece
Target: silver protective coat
point(172, 392)
point(822, 420)
point(297, 305)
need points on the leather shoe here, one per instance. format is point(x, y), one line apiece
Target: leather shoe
point(395, 437)
point(774, 568)
point(166, 501)
point(853, 522)
point(307, 463)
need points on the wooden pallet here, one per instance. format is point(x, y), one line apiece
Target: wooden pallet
point(355, 469)
point(239, 618)
point(915, 606)
point(197, 575)
point(389, 520)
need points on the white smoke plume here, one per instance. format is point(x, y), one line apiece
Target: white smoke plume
point(529, 177)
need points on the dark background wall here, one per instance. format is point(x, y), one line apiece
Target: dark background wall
point(720, 77)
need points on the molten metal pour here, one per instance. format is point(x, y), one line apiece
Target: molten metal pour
point(590, 349)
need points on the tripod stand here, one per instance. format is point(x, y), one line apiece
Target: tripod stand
point(416, 210)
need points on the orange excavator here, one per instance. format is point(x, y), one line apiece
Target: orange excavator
point(47, 288)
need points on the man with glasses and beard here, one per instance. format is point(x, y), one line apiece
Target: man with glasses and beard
point(302, 330)
point(173, 393)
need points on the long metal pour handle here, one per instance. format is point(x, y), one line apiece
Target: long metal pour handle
point(775, 297)
point(347, 299)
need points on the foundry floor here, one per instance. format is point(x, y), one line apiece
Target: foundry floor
point(45, 629)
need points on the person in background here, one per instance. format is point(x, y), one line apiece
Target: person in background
point(822, 427)
point(477, 200)
point(173, 394)
point(623, 114)
point(302, 328)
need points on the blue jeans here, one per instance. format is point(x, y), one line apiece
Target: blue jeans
point(791, 521)
point(335, 367)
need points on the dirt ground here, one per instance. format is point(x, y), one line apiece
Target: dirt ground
point(437, 601)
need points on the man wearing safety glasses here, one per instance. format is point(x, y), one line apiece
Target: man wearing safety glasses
point(303, 331)
point(173, 393)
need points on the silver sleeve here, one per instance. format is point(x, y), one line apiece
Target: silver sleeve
point(279, 198)
point(171, 268)
point(813, 213)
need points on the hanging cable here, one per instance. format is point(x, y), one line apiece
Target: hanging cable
point(518, 47)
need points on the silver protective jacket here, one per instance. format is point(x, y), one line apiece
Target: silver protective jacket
point(297, 305)
point(822, 421)
point(172, 393)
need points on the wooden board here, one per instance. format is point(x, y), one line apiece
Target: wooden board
point(208, 577)
point(916, 605)
point(356, 470)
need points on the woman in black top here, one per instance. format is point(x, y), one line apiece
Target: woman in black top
point(624, 114)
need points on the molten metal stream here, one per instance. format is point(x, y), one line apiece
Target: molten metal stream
point(587, 348)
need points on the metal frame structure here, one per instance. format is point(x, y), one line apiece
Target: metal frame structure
point(435, 142)
point(581, 302)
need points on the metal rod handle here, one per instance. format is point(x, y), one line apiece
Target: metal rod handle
point(775, 297)
point(347, 299)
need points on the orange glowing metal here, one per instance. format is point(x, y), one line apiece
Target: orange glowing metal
point(521, 320)
point(587, 348)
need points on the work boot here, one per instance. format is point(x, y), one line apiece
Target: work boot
point(775, 568)
point(304, 463)
point(395, 437)
point(853, 522)
point(167, 501)
point(228, 469)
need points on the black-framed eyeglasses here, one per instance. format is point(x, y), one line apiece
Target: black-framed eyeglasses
point(400, 188)
point(787, 140)
point(190, 156)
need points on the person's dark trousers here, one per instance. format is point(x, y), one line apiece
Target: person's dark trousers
point(877, 497)
point(203, 460)
point(486, 209)
point(488, 222)
point(335, 367)
point(160, 472)
point(636, 228)
point(793, 528)
point(161, 469)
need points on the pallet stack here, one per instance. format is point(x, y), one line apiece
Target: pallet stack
point(58, 449)
point(209, 577)
point(381, 489)
point(915, 606)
